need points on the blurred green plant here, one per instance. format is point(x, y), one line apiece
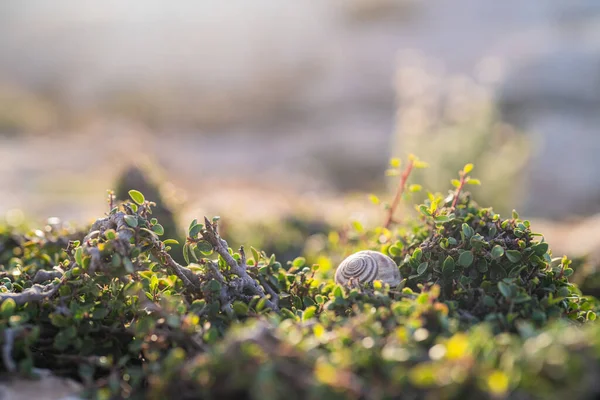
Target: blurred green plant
point(456, 121)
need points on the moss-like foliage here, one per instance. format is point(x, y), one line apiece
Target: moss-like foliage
point(489, 268)
point(483, 311)
point(143, 180)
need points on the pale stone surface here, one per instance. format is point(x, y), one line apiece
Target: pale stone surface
point(48, 387)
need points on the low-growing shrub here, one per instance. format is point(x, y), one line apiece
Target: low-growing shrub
point(483, 310)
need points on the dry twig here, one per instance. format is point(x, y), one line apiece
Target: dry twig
point(399, 191)
point(32, 294)
point(211, 235)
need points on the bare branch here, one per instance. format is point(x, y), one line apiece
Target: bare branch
point(243, 258)
point(399, 191)
point(220, 246)
point(269, 290)
point(9, 339)
point(33, 294)
point(190, 280)
point(44, 275)
point(463, 179)
point(117, 221)
point(226, 305)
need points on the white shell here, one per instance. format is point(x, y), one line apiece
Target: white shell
point(368, 266)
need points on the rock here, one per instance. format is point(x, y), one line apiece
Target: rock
point(48, 387)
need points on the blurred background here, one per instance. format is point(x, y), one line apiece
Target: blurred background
point(267, 109)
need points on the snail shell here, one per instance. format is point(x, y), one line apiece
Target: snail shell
point(368, 266)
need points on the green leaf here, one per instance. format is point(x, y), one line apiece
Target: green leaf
point(455, 183)
point(477, 241)
point(468, 168)
point(240, 308)
point(422, 268)
point(448, 266)
point(489, 301)
point(482, 266)
point(417, 254)
point(433, 208)
point(170, 241)
point(214, 285)
point(195, 230)
point(261, 304)
point(194, 252)
point(205, 247)
point(514, 256)
point(563, 292)
point(149, 232)
point(100, 313)
point(287, 313)
point(137, 196)
point(440, 219)
point(115, 260)
point(58, 320)
point(8, 307)
point(131, 220)
point(497, 251)
point(471, 181)
point(338, 292)
point(465, 259)
point(255, 254)
point(590, 316)
point(158, 229)
point(128, 265)
point(467, 230)
point(299, 262)
point(505, 289)
point(153, 283)
point(79, 256)
point(394, 251)
point(309, 313)
point(541, 248)
point(395, 162)
point(424, 210)
point(186, 253)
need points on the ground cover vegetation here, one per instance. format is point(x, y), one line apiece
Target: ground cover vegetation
point(484, 309)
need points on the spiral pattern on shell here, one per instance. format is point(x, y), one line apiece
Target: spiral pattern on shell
point(367, 266)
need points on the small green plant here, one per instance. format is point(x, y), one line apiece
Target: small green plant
point(483, 310)
point(488, 268)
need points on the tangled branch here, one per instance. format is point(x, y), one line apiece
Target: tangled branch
point(35, 293)
point(211, 235)
point(232, 287)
